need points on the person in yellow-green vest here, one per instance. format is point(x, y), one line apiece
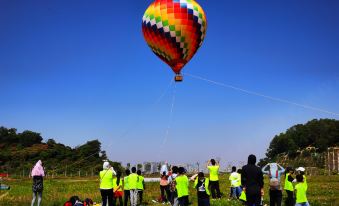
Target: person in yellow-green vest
point(300, 191)
point(201, 185)
point(235, 180)
point(126, 187)
point(106, 184)
point(213, 168)
point(301, 170)
point(288, 187)
point(182, 184)
point(118, 189)
point(133, 186)
point(140, 186)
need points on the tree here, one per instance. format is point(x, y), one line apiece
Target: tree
point(321, 134)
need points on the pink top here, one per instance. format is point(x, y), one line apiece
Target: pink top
point(38, 170)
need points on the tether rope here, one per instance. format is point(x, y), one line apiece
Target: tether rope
point(170, 118)
point(262, 95)
point(125, 133)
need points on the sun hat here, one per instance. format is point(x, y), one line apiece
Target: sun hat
point(301, 169)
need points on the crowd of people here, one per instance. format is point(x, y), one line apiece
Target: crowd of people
point(247, 185)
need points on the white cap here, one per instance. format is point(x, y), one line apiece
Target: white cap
point(106, 166)
point(301, 169)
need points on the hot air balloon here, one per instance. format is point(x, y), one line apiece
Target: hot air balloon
point(174, 30)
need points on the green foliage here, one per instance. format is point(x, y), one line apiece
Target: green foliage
point(320, 134)
point(20, 151)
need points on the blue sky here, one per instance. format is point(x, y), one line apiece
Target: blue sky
point(80, 70)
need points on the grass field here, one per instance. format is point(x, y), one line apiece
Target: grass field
point(323, 190)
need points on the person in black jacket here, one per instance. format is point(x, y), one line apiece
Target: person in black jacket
point(253, 182)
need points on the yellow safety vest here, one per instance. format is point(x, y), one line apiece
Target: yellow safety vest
point(126, 185)
point(214, 172)
point(106, 179)
point(235, 180)
point(140, 185)
point(243, 196)
point(288, 185)
point(182, 185)
point(133, 181)
point(301, 189)
point(207, 182)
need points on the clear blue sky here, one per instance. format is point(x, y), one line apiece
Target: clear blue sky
point(80, 70)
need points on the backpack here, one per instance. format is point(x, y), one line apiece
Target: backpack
point(274, 182)
point(172, 185)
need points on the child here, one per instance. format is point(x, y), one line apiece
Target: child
point(133, 182)
point(300, 191)
point(117, 188)
point(182, 187)
point(140, 186)
point(289, 186)
point(201, 185)
point(126, 188)
point(172, 186)
point(164, 187)
point(235, 183)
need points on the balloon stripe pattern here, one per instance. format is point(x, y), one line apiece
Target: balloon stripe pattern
point(174, 30)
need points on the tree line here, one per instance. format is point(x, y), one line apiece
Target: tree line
point(318, 134)
point(20, 151)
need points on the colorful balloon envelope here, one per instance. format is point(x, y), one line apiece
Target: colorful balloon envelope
point(174, 30)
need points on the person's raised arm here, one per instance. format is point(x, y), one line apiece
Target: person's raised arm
point(208, 163)
point(193, 177)
point(264, 169)
point(280, 168)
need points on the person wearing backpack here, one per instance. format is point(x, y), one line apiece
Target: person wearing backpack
point(118, 189)
point(274, 172)
point(140, 186)
point(182, 184)
point(127, 195)
point(213, 168)
point(172, 186)
point(106, 184)
point(164, 188)
point(201, 185)
point(133, 182)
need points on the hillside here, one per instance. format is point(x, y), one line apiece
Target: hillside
point(20, 151)
point(304, 143)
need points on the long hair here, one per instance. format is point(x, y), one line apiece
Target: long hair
point(118, 177)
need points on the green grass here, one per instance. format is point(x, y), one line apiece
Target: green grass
point(323, 190)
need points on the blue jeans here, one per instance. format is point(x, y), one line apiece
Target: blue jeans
point(302, 204)
point(236, 191)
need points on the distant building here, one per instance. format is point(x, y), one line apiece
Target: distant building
point(151, 167)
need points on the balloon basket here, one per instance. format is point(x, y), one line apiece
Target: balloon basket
point(178, 78)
